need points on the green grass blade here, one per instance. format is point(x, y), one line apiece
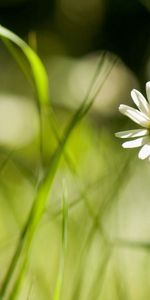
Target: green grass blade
point(21, 61)
point(37, 68)
point(59, 282)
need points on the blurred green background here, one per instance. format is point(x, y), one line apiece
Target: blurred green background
point(106, 187)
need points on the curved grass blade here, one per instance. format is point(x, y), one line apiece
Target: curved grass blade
point(37, 68)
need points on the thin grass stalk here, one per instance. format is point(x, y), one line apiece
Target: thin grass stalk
point(59, 283)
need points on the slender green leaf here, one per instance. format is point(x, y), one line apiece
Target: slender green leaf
point(38, 70)
point(59, 282)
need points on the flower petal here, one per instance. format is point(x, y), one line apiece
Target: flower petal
point(148, 90)
point(140, 102)
point(144, 152)
point(132, 133)
point(135, 115)
point(136, 143)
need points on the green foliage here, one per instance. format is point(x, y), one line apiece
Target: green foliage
point(81, 252)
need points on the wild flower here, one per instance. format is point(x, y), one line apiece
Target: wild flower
point(140, 137)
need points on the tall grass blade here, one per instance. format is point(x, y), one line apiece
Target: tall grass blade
point(38, 71)
point(57, 291)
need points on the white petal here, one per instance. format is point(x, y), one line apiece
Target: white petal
point(148, 90)
point(144, 152)
point(135, 115)
point(140, 102)
point(136, 143)
point(132, 133)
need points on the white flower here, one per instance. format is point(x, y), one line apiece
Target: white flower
point(141, 116)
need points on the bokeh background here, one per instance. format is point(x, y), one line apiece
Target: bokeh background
point(107, 255)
